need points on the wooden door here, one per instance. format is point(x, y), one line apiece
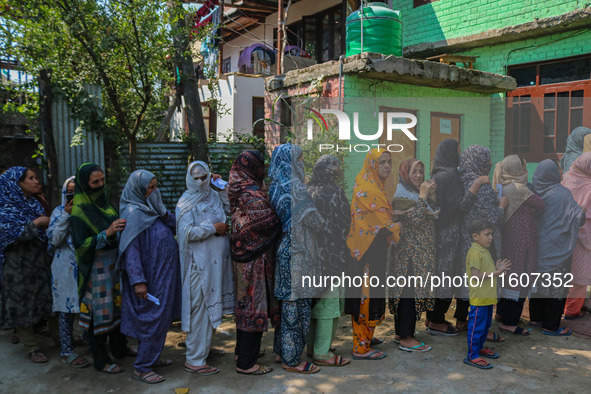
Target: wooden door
point(398, 137)
point(443, 127)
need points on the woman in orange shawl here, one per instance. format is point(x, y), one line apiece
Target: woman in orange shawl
point(372, 229)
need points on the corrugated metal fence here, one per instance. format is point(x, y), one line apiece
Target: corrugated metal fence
point(169, 161)
point(64, 129)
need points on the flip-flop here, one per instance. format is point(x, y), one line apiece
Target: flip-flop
point(415, 348)
point(262, 370)
point(111, 370)
point(496, 338)
point(475, 360)
point(450, 332)
point(162, 362)
point(37, 357)
point(485, 352)
point(376, 341)
point(309, 368)
point(369, 355)
point(205, 367)
point(575, 317)
point(557, 333)
point(518, 331)
point(145, 376)
point(213, 352)
point(338, 362)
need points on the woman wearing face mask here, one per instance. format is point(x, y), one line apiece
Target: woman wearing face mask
point(25, 293)
point(475, 163)
point(414, 205)
point(372, 230)
point(95, 226)
point(64, 274)
point(149, 262)
point(206, 265)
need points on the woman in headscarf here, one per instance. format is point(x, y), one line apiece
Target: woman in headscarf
point(206, 266)
point(578, 181)
point(25, 292)
point(372, 230)
point(332, 204)
point(415, 207)
point(450, 196)
point(296, 254)
point(480, 203)
point(255, 230)
point(149, 264)
point(64, 274)
point(519, 239)
point(558, 228)
point(95, 224)
point(575, 144)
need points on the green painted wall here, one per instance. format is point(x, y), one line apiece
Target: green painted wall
point(446, 19)
point(366, 95)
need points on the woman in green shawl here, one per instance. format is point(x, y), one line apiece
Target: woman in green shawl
point(95, 224)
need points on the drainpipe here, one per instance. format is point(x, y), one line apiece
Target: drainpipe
point(340, 79)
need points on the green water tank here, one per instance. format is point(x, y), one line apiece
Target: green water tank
point(382, 30)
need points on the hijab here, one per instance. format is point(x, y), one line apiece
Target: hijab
point(578, 181)
point(450, 190)
point(558, 225)
point(510, 174)
point(199, 194)
point(255, 225)
point(370, 209)
point(574, 147)
point(139, 212)
point(92, 213)
point(16, 211)
point(51, 247)
point(407, 194)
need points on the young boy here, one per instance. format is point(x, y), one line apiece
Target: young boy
point(482, 282)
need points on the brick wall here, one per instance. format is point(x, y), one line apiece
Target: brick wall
point(446, 19)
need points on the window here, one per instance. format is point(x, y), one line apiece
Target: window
point(547, 105)
point(258, 112)
point(418, 3)
point(227, 64)
point(285, 118)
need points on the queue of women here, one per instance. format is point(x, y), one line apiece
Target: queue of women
point(130, 274)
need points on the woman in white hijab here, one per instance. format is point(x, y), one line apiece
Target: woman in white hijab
point(206, 265)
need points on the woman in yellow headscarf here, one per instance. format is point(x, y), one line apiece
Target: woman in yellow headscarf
point(372, 229)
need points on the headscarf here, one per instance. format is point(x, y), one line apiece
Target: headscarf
point(16, 211)
point(578, 181)
point(65, 189)
point(558, 225)
point(510, 174)
point(332, 204)
point(287, 193)
point(574, 147)
point(407, 194)
point(199, 194)
point(255, 225)
point(450, 190)
point(50, 246)
point(139, 212)
point(92, 213)
point(370, 209)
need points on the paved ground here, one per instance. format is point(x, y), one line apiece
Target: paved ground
point(537, 362)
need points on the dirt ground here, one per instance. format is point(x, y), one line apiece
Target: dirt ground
point(537, 362)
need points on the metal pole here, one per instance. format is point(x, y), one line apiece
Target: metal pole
point(279, 36)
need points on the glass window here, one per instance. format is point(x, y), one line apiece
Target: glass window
point(524, 76)
point(575, 70)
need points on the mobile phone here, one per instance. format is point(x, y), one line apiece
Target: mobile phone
point(499, 190)
point(69, 197)
point(219, 183)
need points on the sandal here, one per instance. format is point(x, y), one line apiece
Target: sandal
point(148, 377)
point(339, 361)
point(368, 355)
point(162, 362)
point(450, 332)
point(376, 341)
point(415, 348)
point(488, 353)
point(518, 331)
point(113, 369)
point(478, 363)
point(496, 338)
point(558, 333)
point(262, 370)
point(72, 358)
point(309, 368)
point(212, 370)
point(37, 357)
point(214, 352)
point(574, 317)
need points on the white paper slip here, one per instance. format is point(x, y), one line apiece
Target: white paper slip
point(220, 183)
point(153, 299)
